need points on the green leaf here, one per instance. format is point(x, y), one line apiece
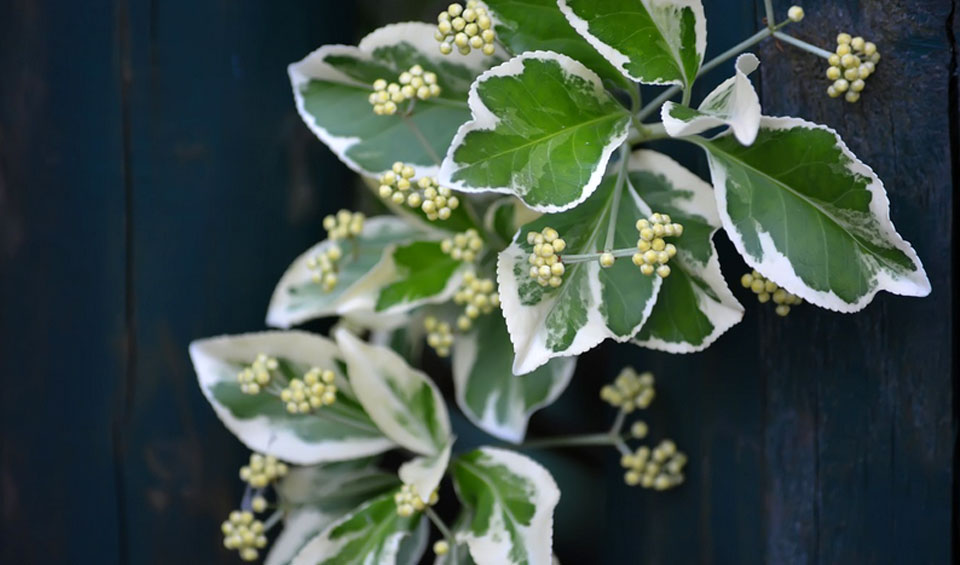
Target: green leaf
point(538, 25)
point(592, 304)
point(318, 495)
point(423, 271)
point(372, 534)
point(543, 129)
point(806, 213)
point(511, 500)
point(489, 394)
point(337, 432)
point(332, 84)
point(734, 103)
point(298, 299)
point(649, 41)
point(402, 401)
point(694, 306)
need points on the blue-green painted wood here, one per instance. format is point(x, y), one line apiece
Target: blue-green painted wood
point(62, 260)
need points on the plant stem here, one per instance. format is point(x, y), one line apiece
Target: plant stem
point(617, 193)
point(573, 440)
point(768, 8)
point(272, 520)
point(687, 93)
point(444, 531)
point(587, 257)
point(802, 44)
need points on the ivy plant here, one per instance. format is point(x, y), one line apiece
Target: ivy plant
point(528, 220)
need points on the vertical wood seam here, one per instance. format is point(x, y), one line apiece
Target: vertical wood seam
point(953, 113)
point(126, 393)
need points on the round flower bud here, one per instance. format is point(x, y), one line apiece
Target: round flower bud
point(441, 547)
point(607, 260)
point(834, 60)
point(795, 13)
point(857, 43)
point(841, 85)
point(852, 96)
point(843, 38)
point(833, 73)
point(857, 85)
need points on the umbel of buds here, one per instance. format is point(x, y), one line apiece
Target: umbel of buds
point(629, 390)
point(466, 29)
point(412, 83)
point(409, 501)
point(653, 252)
point(477, 296)
point(854, 60)
point(439, 335)
point(244, 533)
point(252, 379)
point(436, 202)
point(545, 265)
point(315, 390)
point(345, 224)
point(463, 246)
point(262, 470)
point(766, 289)
point(660, 469)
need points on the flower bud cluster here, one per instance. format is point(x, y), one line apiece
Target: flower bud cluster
point(413, 83)
point(629, 391)
point(315, 390)
point(465, 29)
point(258, 375)
point(854, 60)
point(244, 533)
point(436, 201)
point(324, 267)
point(344, 225)
point(439, 335)
point(478, 297)
point(409, 501)
point(766, 289)
point(262, 470)
point(660, 469)
point(463, 246)
point(545, 265)
point(653, 252)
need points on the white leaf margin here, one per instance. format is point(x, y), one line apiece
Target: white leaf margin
point(777, 267)
point(619, 59)
point(729, 312)
point(298, 528)
point(743, 111)
point(365, 362)
point(258, 434)
point(425, 472)
point(494, 548)
point(485, 120)
point(514, 429)
point(314, 67)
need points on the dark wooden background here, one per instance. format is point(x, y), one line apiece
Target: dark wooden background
point(155, 181)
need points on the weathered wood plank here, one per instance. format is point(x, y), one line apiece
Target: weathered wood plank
point(62, 258)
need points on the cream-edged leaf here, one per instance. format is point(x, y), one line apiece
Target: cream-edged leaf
point(490, 395)
point(511, 500)
point(543, 129)
point(649, 41)
point(373, 534)
point(695, 305)
point(297, 298)
point(403, 402)
point(734, 103)
point(261, 421)
point(806, 213)
point(591, 304)
point(331, 87)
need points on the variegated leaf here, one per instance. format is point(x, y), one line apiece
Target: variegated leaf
point(806, 213)
point(337, 432)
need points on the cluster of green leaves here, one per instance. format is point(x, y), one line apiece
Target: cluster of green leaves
point(553, 124)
